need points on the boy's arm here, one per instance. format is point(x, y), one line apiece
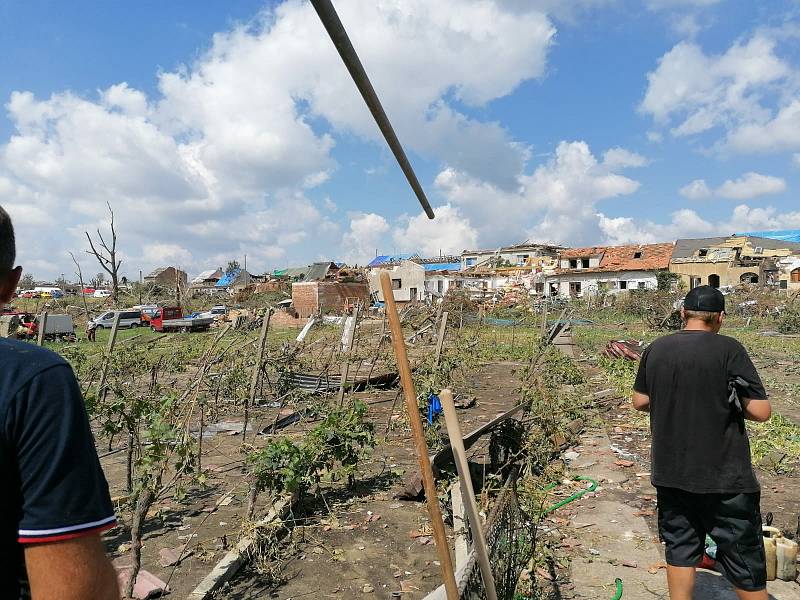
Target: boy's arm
point(756, 409)
point(641, 401)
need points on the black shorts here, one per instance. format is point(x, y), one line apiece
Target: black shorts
point(733, 521)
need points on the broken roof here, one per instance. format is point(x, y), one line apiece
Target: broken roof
point(633, 257)
point(581, 252)
point(641, 257)
point(722, 249)
point(784, 235)
point(319, 271)
point(390, 258)
point(208, 275)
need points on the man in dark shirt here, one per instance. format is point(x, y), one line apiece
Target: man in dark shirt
point(701, 464)
point(55, 499)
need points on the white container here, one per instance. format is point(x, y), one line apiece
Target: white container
point(786, 555)
point(773, 534)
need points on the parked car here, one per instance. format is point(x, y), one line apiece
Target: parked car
point(127, 319)
point(88, 291)
point(171, 319)
point(102, 294)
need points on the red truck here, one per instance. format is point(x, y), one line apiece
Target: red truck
point(170, 318)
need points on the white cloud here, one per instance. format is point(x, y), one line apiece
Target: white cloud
point(692, 92)
point(223, 153)
point(556, 202)
point(367, 235)
point(687, 223)
point(620, 158)
point(751, 185)
point(449, 233)
point(696, 190)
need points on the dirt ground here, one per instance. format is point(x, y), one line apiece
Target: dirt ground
point(340, 545)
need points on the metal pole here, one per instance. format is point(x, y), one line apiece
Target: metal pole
point(467, 492)
point(440, 340)
point(340, 39)
point(428, 483)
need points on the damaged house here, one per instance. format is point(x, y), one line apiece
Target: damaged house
point(608, 269)
point(518, 255)
point(168, 277)
point(408, 281)
point(328, 288)
point(734, 260)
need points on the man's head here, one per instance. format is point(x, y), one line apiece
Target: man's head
point(704, 307)
point(9, 275)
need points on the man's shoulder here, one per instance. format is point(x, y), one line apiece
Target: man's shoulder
point(21, 361)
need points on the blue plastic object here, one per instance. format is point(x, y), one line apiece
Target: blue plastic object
point(434, 407)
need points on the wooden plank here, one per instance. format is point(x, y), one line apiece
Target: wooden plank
point(262, 344)
point(112, 339)
point(440, 339)
point(412, 410)
point(468, 492)
point(459, 525)
point(234, 559)
point(42, 326)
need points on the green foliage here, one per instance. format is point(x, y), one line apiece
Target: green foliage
point(335, 446)
point(789, 319)
point(620, 373)
point(666, 280)
point(281, 466)
point(342, 438)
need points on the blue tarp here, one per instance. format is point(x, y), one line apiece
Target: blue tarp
point(390, 258)
point(785, 235)
point(443, 266)
point(228, 278)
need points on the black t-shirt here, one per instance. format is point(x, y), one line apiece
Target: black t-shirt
point(54, 488)
point(698, 444)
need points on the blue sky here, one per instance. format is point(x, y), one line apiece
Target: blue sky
point(219, 129)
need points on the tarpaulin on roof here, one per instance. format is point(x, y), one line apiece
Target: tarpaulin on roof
point(456, 266)
point(228, 278)
point(390, 258)
point(785, 235)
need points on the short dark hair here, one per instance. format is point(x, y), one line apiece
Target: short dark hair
point(701, 315)
point(8, 247)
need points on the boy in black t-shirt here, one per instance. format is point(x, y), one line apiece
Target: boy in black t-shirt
point(698, 387)
point(55, 500)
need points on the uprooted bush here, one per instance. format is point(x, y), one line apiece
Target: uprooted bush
point(789, 319)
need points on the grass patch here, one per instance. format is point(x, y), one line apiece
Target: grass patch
point(779, 434)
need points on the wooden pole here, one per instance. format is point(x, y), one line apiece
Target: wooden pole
point(42, 327)
point(467, 492)
point(262, 344)
point(112, 339)
point(440, 340)
point(428, 483)
point(348, 339)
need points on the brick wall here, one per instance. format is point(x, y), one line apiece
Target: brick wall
point(324, 296)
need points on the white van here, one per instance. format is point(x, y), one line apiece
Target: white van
point(102, 294)
point(127, 319)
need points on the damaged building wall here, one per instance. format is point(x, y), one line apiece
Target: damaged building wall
point(408, 282)
point(789, 274)
point(730, 261)
point(313, 297)
point(579, 284)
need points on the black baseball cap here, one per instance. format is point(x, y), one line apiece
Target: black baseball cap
point(705, 298)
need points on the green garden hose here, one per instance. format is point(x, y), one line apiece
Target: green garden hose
point(574, 496)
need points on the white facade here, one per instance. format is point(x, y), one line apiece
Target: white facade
point(579, 284)
point(789, 276)
point(408, 281)
point(437, 283)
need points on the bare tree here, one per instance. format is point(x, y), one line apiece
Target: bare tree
point(79, 273)
point(107, 255)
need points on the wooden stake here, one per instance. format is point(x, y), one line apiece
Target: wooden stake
point(262, 344)
point(42, 326)
point(467, 492)
point(403, 367)
point(440, 340)
point(112, 339)
point(348, 339)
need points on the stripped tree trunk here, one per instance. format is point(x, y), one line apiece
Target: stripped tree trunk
point(143, 504)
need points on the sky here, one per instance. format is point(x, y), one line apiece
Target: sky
point(218, 130)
